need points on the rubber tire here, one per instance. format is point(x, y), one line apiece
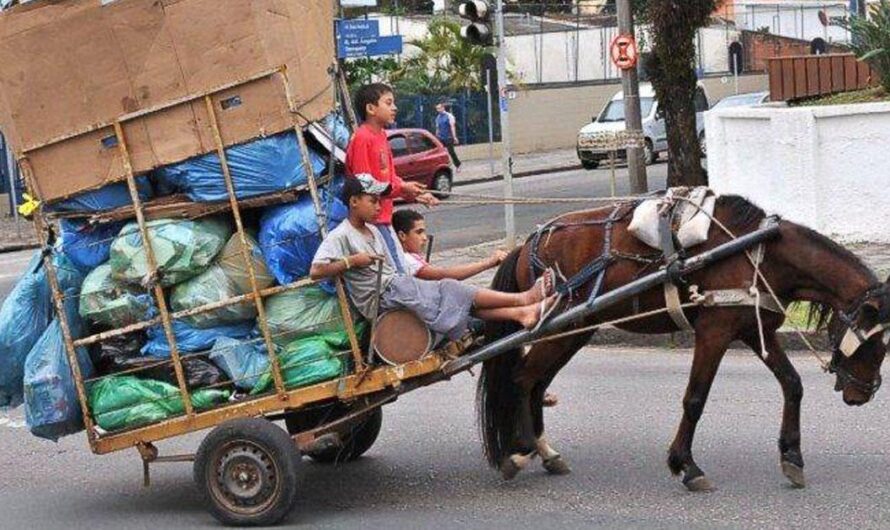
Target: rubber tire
point(653, 155)
point(442, 182)
point(276, 443)
point(590, 164)
point(355, 444)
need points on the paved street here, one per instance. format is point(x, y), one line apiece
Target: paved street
point(617, 415)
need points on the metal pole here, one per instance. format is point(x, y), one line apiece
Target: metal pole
point(506, 156)
point(630, 85)
point(490, 124)
point(735, 72)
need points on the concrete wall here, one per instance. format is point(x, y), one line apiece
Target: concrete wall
point(825, 167)
point(550, 118)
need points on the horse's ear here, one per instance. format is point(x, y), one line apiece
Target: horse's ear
point(870, 314)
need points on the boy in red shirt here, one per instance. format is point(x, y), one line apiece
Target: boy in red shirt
point(369, 153)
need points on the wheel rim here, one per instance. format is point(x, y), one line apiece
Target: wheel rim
point(245, 478)
point(442, 183)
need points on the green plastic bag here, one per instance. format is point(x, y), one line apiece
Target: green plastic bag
point(304, 362)
point(126, 401)
point(306, 312)
point(232, 261)
point(212, 285)
point(109, 303)
point(183, 249)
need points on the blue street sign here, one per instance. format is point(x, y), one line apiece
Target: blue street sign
point(361, 38)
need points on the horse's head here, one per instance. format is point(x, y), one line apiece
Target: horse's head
point(859, 337)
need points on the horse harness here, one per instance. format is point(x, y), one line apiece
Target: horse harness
point(669, 254)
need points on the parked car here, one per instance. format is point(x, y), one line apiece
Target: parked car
point(421, 157)
point(751, 99)
point(611, 119)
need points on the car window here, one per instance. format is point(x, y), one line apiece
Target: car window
point(614, 111)
point(420, 143)
point(399, 145)
point(701, 101)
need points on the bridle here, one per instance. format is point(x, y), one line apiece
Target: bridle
point(853, 338)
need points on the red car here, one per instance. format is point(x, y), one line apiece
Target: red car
point(421, 157)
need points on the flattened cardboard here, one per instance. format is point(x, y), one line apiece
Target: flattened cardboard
point(69, 66)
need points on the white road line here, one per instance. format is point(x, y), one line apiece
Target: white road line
point(10, 423)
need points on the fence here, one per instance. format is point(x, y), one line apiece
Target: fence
point(817, 75)
point(470, 111)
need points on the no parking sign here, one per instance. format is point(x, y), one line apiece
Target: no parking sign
point(624, 51)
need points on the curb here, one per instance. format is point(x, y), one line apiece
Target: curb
point(521, 174)
point(18, 246)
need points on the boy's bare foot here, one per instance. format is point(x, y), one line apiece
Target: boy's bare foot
point(532, 314)
point(544, 287)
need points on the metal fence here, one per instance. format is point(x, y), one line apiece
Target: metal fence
point(470, 111)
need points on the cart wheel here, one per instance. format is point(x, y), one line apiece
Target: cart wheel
point(246, 470)
point(357, 438)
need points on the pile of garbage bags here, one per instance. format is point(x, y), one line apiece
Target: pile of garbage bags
point(106, 284)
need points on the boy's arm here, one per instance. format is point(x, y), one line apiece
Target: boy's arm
point(321, 270)
point(461, 272)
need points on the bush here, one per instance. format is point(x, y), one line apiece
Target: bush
point(871, 40)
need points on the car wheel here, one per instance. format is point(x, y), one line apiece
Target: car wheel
point(442, 185)
point(590, 164)
point(649, 154)
point(703, 145)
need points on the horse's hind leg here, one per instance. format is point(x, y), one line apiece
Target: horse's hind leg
point(711, 341)
point(790, 456)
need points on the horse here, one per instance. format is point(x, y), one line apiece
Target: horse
point(846, 298)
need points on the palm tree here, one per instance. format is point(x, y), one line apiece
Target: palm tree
point(444, 62)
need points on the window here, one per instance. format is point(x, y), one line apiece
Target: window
point(701, 101)
point(399, 146)
point(421, 143)
point(615, 110)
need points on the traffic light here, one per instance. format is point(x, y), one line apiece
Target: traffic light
point(478, 12)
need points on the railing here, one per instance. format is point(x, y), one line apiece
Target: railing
point(808, 76)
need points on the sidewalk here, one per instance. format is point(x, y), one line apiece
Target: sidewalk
point(14, 237)
point(479, 170)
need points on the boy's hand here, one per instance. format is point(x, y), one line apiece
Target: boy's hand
point(497, 257)
point(427, 199)
point(411, 190)
point(362, 260)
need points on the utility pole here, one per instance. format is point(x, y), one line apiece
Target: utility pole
point(630, 85)
point(506, 155)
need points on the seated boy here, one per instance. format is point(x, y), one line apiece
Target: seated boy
point(355, 246)
point(410, 228)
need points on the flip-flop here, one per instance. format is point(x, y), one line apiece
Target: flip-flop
point(548, 276)
point(544, 312)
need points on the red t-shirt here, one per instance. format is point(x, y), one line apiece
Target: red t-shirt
point(369, 152)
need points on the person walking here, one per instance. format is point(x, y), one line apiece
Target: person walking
point(446, 132)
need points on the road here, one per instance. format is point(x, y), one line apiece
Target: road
point(462, 225)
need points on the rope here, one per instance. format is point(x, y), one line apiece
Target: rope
point(482, 199)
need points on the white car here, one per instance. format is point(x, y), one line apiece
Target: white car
point(751, 99)
point(611, 119)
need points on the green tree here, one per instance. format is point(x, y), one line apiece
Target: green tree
point(871, 40)
point(671, 67)
point(442, 62)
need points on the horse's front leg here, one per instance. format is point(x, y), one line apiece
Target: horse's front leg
point(711, 340)
point(790, 456)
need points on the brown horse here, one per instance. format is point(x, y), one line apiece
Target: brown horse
point(799, 264)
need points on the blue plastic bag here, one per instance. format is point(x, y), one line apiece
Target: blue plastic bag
point(25, 315)
point(107, 197)
point(335, 126)
point(243, 361)
point(261, 166)
point(87, 246)
point(51, 406)
point(289, 237)
point(189, 339)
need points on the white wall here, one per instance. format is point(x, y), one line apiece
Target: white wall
point(825, 167)
point(791, 19)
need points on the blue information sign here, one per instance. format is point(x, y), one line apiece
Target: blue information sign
point(361, 38)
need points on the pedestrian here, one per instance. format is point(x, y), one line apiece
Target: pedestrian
point(369, 153)
point(446, 132)
point(355, 249)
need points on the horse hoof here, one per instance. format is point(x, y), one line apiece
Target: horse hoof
point(557, 466)
point(699, 483)
point(794, 474)
point(509, 469)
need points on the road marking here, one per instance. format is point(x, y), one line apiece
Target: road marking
point(10, 423)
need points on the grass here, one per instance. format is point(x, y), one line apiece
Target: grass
point(797, 316)
point(868, 95)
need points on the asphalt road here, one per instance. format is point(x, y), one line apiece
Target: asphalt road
point(462, 225)
point(617, 415)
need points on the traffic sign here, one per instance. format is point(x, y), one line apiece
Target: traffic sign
point(624, 51)
point(361, 38)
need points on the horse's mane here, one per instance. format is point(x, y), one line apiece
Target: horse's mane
point(743, 214)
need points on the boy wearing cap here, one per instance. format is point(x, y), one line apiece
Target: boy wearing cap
point(353, 248)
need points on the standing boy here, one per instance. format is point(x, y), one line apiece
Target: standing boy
point(446, 132)
point(369, 153)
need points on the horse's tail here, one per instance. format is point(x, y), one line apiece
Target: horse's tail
point(496, 393)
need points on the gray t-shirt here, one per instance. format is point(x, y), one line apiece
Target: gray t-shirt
point(346, 240)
